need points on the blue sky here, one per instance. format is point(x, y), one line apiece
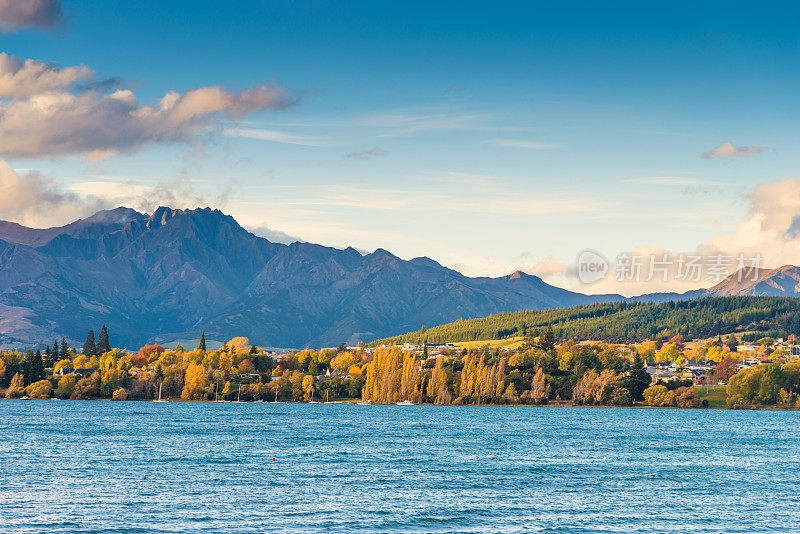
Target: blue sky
point(489, 137)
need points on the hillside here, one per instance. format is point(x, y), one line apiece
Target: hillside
point(625, 321)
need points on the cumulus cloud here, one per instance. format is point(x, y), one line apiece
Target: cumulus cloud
point(33, 200)
point(367, 154)
point(772, 228)
point(727, 150)
point(20, 79)
point(43, 116)
point(18, 14)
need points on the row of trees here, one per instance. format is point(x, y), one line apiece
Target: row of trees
point(625, 321)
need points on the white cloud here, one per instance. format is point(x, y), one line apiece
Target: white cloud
point(179, 193)
point(17, 14)
point(46, 119)
point(523, 144)
point(33, 200)
point(20, 79)
point(270, 234)
point(727, 150)
point(772, 228)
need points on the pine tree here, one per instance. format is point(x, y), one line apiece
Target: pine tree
point(639, 379)
point(103, 345)
point(89, 348)
point(64, 349)
point(547, 341)
point(202, 345)
point(33, 367)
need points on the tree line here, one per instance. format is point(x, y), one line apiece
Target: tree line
point(624, 322)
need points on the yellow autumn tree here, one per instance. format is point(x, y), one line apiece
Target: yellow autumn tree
point(40, 390)
point(195, 382)
point(17, 387)
point(239, 345)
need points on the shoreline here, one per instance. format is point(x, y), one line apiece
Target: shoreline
point(356, 402)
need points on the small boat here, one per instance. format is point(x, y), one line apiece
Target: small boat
point(24, 398)
point(259, 400)
point(405, 403)
point(55, 398)
point(365, 403)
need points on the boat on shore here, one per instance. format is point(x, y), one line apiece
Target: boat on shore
point(405, 403)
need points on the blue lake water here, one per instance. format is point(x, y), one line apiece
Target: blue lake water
point(136, 467)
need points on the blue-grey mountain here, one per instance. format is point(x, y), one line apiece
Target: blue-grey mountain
point(171, 274)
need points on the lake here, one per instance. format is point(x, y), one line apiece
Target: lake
point(136, 467)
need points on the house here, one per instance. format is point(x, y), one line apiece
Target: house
point(751, 360)
point(80, 372)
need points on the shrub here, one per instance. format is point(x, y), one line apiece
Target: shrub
point(84, 389)
point(17, 387)
point(621, 397)
point(120, 395)
point(42, 389)
point(66, 385)
point(686, 397)
point(659, 395)
point(738, 402)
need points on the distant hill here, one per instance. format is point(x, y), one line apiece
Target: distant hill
point(781, 282)
point(170, 274)
point(625, 321)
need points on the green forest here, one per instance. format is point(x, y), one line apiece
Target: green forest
point(625, 322)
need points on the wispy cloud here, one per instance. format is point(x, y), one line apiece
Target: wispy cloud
point(18, 14)
point(523, 144)
point(402, 123)
point(367, 154)
point(678, 181)
point(727, 150)
point(271, 135)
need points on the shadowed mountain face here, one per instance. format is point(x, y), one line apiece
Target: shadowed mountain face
point(171, 274)
point(168, 275)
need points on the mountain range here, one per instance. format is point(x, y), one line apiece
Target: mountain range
point(170, 274)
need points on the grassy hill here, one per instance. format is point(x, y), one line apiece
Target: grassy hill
point(625, 321)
